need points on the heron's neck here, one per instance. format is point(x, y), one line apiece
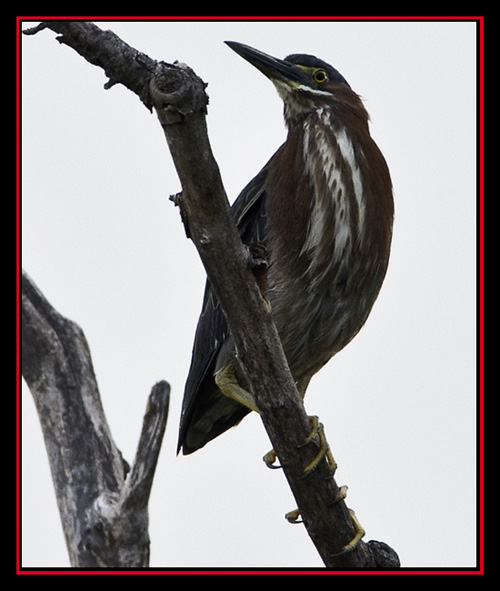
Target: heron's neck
point(337, 215)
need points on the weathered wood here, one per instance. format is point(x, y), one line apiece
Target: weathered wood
point(178, 97)
point(103, 507)
point(121, 63)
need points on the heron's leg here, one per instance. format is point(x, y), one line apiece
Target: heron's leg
point(317, 429)
point(271, 456)
point(324, 450)
point(293, 516)
point(359, 532)
point(228, 385)
point(226, 380)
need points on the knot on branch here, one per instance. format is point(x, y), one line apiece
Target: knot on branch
point(383, 555)
point(114, 537)
point(177, 92)
point(258, 257)
point(258, 263)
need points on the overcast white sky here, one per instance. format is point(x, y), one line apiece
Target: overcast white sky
point(105, 245)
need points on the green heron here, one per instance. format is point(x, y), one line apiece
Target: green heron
point(323, 209)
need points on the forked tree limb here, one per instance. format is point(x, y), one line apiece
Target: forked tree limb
point(178, 97)
point(103, 505)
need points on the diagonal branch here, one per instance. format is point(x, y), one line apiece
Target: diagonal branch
point(230, 268)
point(178, 96)
point(121, 63)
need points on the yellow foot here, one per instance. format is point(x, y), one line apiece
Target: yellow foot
point(360, 532)
point(317, 429)
point(228, 385)
point(270, 458)
point(293, 516)
point(323, 451)
point(342, 494)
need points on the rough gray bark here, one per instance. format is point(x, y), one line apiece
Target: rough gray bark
point(178, 97)
point(103, 505)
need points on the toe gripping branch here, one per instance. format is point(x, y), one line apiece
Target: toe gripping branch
point(324, 451)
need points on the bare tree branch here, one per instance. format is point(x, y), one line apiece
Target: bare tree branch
point(121, 63)
point(104, 512)
point(178, 97)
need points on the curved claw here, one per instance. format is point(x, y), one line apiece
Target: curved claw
point(293, 516)
point(324, 451)
point(269, 460)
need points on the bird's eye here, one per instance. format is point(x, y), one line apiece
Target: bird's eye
point(320, 76)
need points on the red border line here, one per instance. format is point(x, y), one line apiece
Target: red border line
point(155, 571)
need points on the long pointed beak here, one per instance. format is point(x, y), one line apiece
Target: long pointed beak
point(272, 67)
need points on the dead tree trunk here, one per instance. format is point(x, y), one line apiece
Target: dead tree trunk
point(103, 504)
point(178, 97)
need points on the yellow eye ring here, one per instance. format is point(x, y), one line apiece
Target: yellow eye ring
point(320, 76)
